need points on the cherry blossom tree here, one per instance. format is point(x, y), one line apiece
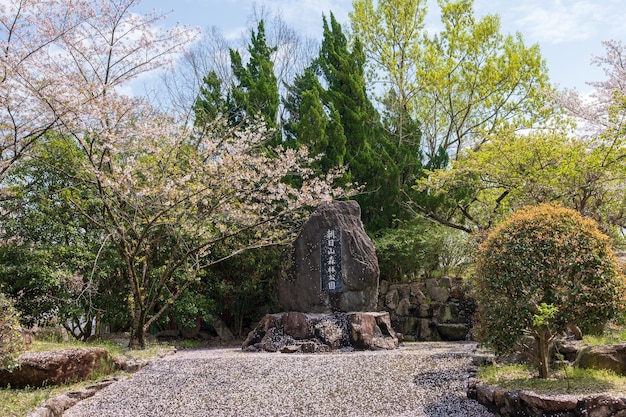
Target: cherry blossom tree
point(168, 196)
point(601, 122)
point(602, 115)
point(163, 194)
point(61, 57)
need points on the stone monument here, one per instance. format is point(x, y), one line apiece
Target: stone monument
point(328, 290)
point(332, 265)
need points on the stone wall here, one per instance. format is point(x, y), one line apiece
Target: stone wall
point(428, 309)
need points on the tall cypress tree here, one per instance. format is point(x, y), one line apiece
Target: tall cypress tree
point(210, 103)
point(313, 122)
point(255, 93)
point(342, 70)
point(367, 146)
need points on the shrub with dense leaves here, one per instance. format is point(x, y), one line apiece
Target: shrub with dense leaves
point(544, 268)
point(11, 338)
point(420, 247)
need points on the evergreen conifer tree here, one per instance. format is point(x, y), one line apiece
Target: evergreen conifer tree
point(255, 93)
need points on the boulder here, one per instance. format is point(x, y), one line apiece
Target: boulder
point(408, 326)
point(296, 325)
point(527, 403)
point(331, 333)
point(222, 330)
point(371, 331)
point(56, 406)
point(55, 367)
point(383, 287)
point(612, 357)
point(404, 307)
point(439, 294)
point(299, 286)
point(568, 348)
point(424, 330)
point(540, 405)
point(392, 299)
point(308, 333)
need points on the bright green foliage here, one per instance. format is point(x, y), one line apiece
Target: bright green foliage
point(466, 84)
point(419, 247)
point(513, 171)
point(256, 91)
point(478, 82)
point(546, 313)
point(11, 338)
point(542, 269)
point(392, 39)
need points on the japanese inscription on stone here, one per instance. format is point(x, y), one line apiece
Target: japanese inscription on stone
point(330, 260)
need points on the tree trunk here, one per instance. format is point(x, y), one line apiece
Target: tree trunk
point(543, 350)
point(137, 340)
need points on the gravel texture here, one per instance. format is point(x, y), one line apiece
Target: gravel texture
point(419, 379)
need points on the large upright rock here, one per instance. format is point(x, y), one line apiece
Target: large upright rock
point(300, 285)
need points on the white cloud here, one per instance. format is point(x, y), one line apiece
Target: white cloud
point(560, 21)
point(306, 15)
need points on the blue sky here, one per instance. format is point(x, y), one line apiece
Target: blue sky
point(569, 32)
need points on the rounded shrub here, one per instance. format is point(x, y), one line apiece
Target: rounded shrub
point(11, 338)
point(544, 268)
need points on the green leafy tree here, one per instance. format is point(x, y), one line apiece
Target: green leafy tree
point(11, 338)
point(54, 263)
point(513, 171)
point(419, 248)
point(342, 72)
point(466, 84)
point(392, 39)
point(241, 287)
point(169, 196)
point(600, 119)
point(210, 104)
point(541, 261)
point(341, 67)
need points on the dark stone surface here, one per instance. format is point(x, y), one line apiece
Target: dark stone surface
point(452, 332)
point(299, 287)
point(428, 309)
point(56, 406)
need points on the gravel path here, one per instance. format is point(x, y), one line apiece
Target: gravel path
point(421, 379)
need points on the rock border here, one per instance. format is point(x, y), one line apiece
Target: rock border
point(56, 406)
point(513, 403)
point(527, 403)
